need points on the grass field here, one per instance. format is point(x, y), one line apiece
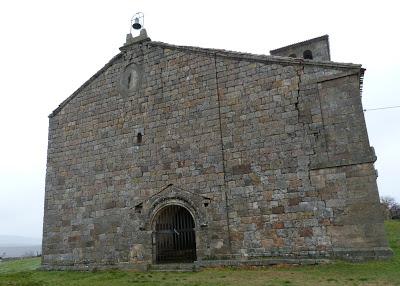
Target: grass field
point(22, 272)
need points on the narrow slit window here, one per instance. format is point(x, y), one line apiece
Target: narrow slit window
point(129, 79)
point(139, 138)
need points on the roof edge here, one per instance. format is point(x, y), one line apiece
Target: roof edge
point(324, 37)
point(255, 57)
point(89, 81)
point(215, 52)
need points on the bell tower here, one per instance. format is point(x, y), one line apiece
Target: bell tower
point(313, 49)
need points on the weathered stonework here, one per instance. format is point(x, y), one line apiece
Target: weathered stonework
point(269, 155)
point(319, 48)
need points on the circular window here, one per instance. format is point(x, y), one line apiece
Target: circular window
point(130, 79)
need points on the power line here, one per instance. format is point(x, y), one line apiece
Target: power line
point(381, 108)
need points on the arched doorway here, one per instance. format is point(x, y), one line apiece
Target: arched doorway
point(174, 235)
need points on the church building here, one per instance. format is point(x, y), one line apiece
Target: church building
point(177, 154)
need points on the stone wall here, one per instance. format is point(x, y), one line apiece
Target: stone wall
point(319, 48)
point(270, 156)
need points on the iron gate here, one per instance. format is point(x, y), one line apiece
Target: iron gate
point(175, 239)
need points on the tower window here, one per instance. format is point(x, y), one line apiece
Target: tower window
point(307, 54)
point(139, 138)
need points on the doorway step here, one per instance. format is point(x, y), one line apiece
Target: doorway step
point(174, 267)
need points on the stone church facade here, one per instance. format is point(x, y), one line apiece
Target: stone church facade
point(185, 154)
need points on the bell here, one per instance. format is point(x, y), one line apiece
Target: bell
point(136, 25)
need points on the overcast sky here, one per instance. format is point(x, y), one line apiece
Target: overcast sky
point(49, 48)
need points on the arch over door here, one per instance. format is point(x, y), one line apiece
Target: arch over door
point(174, 235)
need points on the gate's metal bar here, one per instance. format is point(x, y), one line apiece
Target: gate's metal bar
point(184, 234)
